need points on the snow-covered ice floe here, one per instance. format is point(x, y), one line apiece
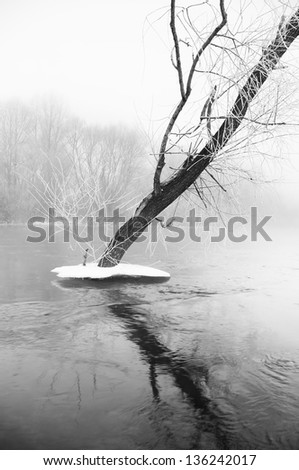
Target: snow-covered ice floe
point(93, 271)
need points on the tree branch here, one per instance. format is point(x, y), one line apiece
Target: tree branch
point(185, 95)
point(155, 202)
point(205, 45)
point(177, 48)
point(287, 32)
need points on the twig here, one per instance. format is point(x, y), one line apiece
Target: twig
point(216, 181)
point(177, 48)
point(199, 195)
point(185, 96)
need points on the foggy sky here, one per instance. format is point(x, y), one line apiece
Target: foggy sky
point(92, 54)
point(107, 61)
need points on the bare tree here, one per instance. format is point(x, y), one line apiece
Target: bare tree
point(104, 160)
point(50, 130)
point(94, 171)
point(15, 125)
point(50, 159)
point(237, 66)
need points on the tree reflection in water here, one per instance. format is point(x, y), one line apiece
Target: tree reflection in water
point(210, 429)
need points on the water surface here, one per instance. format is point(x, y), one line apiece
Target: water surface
point(207, 360)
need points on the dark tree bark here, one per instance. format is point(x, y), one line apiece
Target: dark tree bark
point(164, 193)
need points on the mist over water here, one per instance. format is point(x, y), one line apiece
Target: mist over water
point(207, 360)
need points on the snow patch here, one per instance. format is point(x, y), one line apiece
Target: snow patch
point(93, 271)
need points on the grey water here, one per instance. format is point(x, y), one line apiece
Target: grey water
point(206, 360)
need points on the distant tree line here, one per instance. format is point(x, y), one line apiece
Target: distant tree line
point(48, 156)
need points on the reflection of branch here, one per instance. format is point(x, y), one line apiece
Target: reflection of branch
point(158, 356)
point(79, 392)
point(153, 380)
point(157, 353)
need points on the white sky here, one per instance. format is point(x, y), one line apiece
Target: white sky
point(94, 54)
point(101, 57)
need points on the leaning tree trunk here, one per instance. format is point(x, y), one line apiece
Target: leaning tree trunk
point(172, 188)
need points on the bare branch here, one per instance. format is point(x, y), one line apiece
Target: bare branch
point(219, 144)
point(268, 61)
point(185, 95)
point(205, 45)
point(177, 48)
point(199, 194)
point(216, 181)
